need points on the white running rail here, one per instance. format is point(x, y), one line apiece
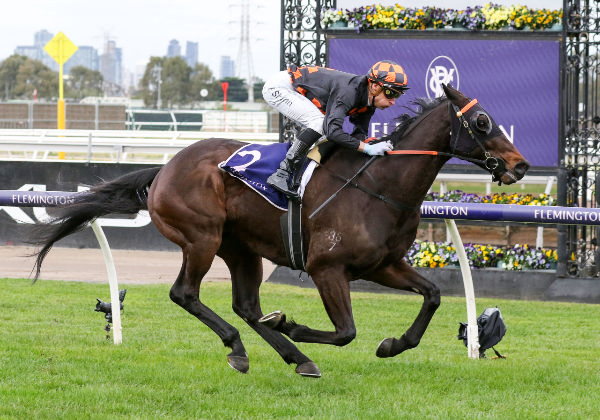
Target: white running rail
point(117, 146)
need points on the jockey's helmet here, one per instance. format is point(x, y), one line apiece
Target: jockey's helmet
point(389, 75)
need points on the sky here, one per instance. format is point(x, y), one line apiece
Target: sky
point(143, 28)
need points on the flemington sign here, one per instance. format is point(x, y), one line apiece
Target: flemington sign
point(429, 209)
point(34, 199)
point(510, 213)
point(36, 196)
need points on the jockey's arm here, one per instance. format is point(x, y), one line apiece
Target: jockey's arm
point(333, 126)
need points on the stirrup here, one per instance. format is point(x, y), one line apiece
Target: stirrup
point(277, 182)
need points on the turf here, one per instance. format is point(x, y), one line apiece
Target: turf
point(55, 360)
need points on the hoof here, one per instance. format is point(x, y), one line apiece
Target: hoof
point(272, 320)
point(385, 348)
point(239, 363)
point(308, 369)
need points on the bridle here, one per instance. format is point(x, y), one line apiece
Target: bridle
point(468, 118)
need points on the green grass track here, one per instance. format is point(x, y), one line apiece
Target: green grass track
point(55, 361)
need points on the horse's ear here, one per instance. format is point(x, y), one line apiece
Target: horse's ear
point(450, 92)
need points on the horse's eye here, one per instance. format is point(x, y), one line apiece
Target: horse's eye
point(481, 122)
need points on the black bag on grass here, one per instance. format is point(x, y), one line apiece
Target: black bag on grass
point(491, 327)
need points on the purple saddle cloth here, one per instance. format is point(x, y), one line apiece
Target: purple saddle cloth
point(253, 164)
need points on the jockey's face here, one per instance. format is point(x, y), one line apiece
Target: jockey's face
point(381, 102)
point(378, 99)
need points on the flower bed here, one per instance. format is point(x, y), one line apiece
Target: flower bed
point(488, 17)
point(458, 196)
point(517, 257)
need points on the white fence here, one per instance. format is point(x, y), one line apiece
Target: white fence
point(153, 147)
point(160, 146)
point(209, 120)
point(109, 146)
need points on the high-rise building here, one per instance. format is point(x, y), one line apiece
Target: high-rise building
point(191, 53)
point(36, 51)
point(227, 67)
point(111, 64)
point(174, 49)
point(41, 38)
point(30, 51)
point(84, 56)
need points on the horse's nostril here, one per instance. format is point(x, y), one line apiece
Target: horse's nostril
point(521, 168)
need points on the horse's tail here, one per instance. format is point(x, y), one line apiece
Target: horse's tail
point(127, 194)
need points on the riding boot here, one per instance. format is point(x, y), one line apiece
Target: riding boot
point(293, 158)
point(280, 180)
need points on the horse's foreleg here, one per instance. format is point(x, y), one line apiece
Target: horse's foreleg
point(186, 293)
point(334, 288)
point(246, 278)
point(402, 276)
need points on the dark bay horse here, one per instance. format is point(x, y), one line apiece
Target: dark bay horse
point(363, 233)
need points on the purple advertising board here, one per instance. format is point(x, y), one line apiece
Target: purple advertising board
point(515, 80)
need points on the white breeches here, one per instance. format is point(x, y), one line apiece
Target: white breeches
point(280, 94)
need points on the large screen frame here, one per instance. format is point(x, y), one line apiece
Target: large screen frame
point(516, 76)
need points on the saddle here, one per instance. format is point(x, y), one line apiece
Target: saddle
point(252, 164)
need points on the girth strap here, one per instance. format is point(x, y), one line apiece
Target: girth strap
point(291, 230)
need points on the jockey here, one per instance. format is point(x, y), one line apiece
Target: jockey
point(319, 99)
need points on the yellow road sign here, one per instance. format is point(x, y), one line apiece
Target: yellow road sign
point(60, 48)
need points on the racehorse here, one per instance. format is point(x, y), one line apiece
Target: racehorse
point(363, 233)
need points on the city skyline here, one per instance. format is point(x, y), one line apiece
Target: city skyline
point(144, 30)
point(109, 60)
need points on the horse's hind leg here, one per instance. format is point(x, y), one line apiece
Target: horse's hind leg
point(186, 293)
point(246, 277)
point(403, 277)
point(332, 282)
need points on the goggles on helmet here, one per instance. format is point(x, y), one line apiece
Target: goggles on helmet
point(391, 93)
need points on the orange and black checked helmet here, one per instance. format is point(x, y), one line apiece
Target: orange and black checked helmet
point(388, 74)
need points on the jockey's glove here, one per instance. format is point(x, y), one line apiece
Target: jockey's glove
point(378, 149)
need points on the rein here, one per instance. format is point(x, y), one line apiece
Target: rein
point(490, 162)
point(388, 201)
point(348, 182)
point(436, 153)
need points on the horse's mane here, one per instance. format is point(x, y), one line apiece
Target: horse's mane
point(423, 105)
